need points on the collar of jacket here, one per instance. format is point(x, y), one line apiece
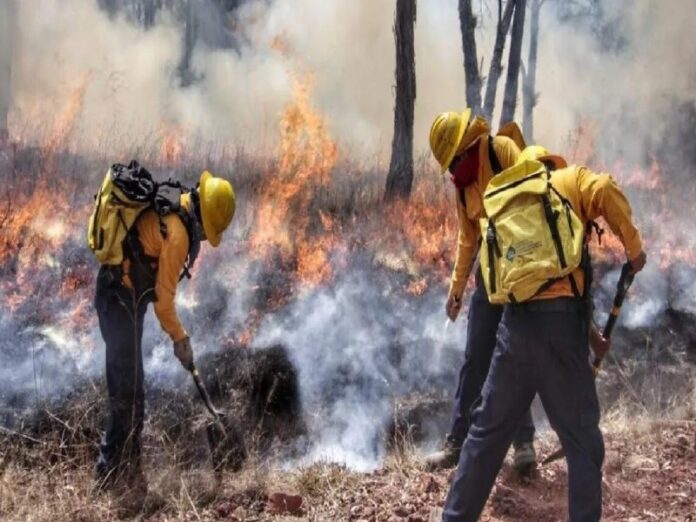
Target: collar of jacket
point(477, 128)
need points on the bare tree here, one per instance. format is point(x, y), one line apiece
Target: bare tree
point(504, 20)
point(467, 22)
point(529, 94)
point(400, 177)
point(514, 60)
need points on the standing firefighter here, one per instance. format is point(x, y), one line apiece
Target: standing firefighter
point(146, 239)
point(534, 260)
point(463, 145)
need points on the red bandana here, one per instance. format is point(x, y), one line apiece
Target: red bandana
point(466, 169)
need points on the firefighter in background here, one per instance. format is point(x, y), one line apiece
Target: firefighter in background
point(462, 145)
point(155, 252)
point(542, 347)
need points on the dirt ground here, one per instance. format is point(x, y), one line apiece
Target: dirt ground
point(649, 474)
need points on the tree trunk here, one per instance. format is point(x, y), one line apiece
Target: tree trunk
point(467, 22)
point(149, 10)
point(496, 67)
point(190, 35)
point(400, 177)
point(7, 32)
point(529, 96)
point(513, 72)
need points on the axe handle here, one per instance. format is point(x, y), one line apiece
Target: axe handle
point(203, 392)
point(622, 286)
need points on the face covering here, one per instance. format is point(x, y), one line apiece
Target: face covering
point(466, 169)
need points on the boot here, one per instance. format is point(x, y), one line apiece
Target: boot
point(524, 459)
point(446, 458)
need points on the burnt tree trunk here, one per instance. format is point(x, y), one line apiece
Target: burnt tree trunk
point(513, 70)
point(400, 177)
point(7, 32)
point(467, 22)
point(496, 68)
point(529, 94)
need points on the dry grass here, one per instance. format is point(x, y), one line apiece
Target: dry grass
point(641, 451)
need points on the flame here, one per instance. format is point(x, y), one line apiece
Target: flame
point(284, 219)
point(172, 145)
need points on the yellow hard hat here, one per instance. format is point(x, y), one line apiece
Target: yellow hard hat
point(446, 133)
point(218, 204)
point(539, 153)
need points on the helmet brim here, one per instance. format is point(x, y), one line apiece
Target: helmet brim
point(466, 116)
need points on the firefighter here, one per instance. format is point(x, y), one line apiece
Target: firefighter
point(542, 348)
point(155, 253)
point(462, 145)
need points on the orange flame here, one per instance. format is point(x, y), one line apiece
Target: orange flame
point(172, 147)
point(307, 154)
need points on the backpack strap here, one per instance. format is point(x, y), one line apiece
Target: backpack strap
point(493, 158)
point(189, 220)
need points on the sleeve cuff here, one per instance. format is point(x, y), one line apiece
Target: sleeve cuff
point(634, 247)
point(178, 334)
point(457, 288)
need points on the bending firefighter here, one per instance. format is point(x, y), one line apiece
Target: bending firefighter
point(534, 260)
point(146, 242)
point(463, 145)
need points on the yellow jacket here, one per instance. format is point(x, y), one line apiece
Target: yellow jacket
point(593, 196)
point(171, 253)
point(469, 211)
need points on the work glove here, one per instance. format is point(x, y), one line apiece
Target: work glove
point(453, 306)
point(184, 352)
point(638, 262)
point(600, 346)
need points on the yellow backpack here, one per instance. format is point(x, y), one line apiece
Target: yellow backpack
point(531, 235)
point(126, 192)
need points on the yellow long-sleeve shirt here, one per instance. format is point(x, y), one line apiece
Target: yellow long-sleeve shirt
point(593, 196)
point(171, 253)
point(470, 210)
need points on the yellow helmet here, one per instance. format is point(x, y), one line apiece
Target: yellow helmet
point(539, 153)
point(446, 134)
point(218, 204)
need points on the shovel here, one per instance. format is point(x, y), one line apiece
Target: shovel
point(224, 437)
point(625, 281)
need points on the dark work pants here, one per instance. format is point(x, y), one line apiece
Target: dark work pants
point(482, 326)
point(542, 347)
point(121, 324)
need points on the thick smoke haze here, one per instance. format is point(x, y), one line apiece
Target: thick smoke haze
point(623, 66)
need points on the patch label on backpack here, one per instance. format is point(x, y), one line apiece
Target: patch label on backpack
point(523, 247)
point(510, 254)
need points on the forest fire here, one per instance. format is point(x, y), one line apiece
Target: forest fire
point(326, 346)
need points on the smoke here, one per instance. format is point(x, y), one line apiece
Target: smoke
point(622, 69)
point(358, 346)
